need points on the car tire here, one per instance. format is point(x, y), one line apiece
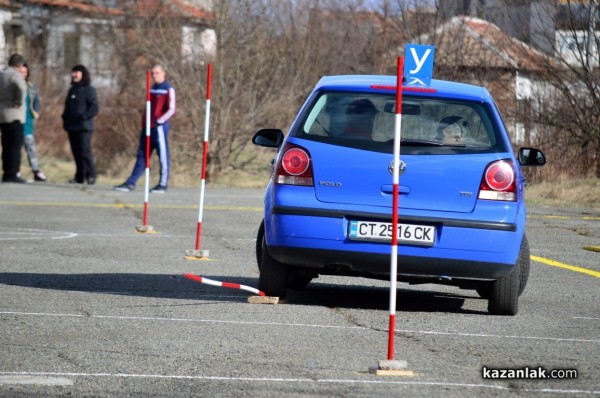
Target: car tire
point(259, 241)
point(273, 275)
point(524, 264)
point(524, 261)
point(504, 293)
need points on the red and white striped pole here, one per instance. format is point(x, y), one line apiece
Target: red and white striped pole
point(391, 366)
point(145, 227)
point(395, 203)
point(197, 253)
point(230, 285)
point(260, 298)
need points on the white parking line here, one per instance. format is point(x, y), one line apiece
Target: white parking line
point(298, 380)
point(31, 234)
point(306, 325)
point(10, 234)
point(40, 380)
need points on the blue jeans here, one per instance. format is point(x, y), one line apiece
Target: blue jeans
point(158, 141)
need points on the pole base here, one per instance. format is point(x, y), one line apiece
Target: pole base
point(391, 367)
point(145, 229)
point(263, 300)
point(196, 255)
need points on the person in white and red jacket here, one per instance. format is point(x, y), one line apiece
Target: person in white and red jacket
point(162, 108)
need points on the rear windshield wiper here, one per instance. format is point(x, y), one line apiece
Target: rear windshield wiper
point(412, 141)
point(415, 142)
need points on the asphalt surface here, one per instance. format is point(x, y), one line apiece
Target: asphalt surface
point(89, 307)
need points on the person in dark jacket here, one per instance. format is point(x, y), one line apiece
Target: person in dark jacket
point(81, 105)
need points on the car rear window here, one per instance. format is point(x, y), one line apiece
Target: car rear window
point(366, 121)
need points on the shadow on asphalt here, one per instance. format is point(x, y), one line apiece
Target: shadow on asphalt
point(141, 285)
point(377, 298)
point(177, 287)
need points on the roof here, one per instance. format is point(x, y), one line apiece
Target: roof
point(142, 8)
point(473, 42)
point(173, 8)
point(441, 88)
point(74, 5)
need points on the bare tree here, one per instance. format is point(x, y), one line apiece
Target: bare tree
point(575, 108)
point(270, 54)
point(563, 111)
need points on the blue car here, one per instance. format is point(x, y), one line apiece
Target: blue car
point(461, 214)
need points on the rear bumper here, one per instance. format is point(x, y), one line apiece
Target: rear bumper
point(378, 265)
point(464, 248)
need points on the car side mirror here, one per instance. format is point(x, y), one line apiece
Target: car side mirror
point(270, 138)
point(531, 157)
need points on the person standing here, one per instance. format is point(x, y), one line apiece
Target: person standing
point(162, 108)
point(32, 113)
point(81, 105)
point(12, 117)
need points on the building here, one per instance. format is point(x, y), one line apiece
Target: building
point(560, 28)
point(476, 51)
point(58, 34)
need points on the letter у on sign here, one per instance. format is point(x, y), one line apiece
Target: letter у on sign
point(418, 64)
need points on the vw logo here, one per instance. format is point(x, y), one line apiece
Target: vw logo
point(401, 169)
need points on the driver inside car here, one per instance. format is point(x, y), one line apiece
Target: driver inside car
point(452, 130)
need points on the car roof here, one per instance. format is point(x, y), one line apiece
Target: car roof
point(378, 83)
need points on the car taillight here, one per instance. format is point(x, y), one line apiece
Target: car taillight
point(294, 167)
point(498, 182)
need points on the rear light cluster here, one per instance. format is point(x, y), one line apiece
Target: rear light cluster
point(499, 182)
point(294, 167)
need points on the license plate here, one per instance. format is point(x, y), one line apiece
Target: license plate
point(382, 232)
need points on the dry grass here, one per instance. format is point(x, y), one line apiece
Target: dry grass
point(61, 170)
point(565, 191)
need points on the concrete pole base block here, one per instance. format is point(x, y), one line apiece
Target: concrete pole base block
point(145, 229)
point(263, 300)
point(196, 255)
point(391, 367)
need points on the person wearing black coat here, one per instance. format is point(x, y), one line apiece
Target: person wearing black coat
point(81, 105)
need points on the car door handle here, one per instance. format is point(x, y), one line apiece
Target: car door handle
point(389, 189)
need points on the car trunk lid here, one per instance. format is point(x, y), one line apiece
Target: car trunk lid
point(435, 182)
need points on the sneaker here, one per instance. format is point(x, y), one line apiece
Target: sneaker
point(91, 180)
point(74, 181)
point(125, 187)
point(38, 175)
point(159, 189)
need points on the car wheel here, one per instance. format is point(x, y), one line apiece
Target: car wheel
point(524, 261)
point(504, 293)
point(259, 241)
point(524, 264)
point(298, 281)
point(273, 276)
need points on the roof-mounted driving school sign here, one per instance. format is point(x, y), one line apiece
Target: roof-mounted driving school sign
point(418, 64)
